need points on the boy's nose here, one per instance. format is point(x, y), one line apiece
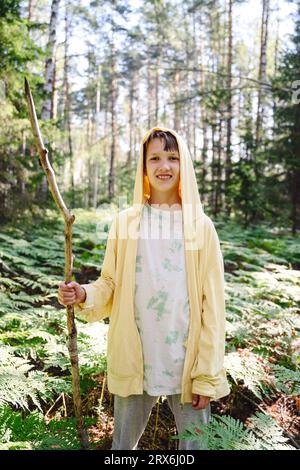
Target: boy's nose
point(165, 166)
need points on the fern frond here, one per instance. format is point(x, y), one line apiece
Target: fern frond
point(269, 433)
point(31, 432)
point(227, 433)
point(19, 383)
point(246, 367)
point(10, 283)
point(286, 380)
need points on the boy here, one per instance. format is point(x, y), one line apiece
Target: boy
point(162, 284)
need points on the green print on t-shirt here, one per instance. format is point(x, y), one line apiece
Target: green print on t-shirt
point(137, 314)
point(175, 246)
point(168, 373)
point(169, 266)
point(158, 303)
point(172, 337)
point(138, 266)
point(178, 360)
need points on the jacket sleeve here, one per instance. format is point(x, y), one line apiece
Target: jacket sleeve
point(208, 371)
point(99, 294)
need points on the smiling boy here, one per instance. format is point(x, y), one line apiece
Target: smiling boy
point(162, 168)
point(162, 285)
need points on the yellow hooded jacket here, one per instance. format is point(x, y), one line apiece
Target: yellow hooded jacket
point(112, 294)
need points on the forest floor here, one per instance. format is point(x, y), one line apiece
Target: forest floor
point(161, 426)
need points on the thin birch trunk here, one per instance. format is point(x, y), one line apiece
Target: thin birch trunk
point(229, 111)
point(50, 61)
point(67, 106)
point(262, 72)
point(111, 176)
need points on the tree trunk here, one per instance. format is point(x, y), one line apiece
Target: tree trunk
point(96, 178)
point(111, 176)
point(295, 198)
point(50, 61)
point(137, 129)
point(176, 103)
point(262, 72)
point(67, 106)
point(157, 89)
point(276, 54)
point(42, 190)
point(187, 107)
point(195, 74)
point(203, 114)
point(229, 111)
point(131, 117)
point(150, 94)
point(213, 170)
point(97, 136)
point(219, 184)
point(54, 98)
point(30, 10)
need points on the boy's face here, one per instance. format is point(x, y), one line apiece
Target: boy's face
point(162, 162)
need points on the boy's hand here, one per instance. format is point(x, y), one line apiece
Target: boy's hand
point(199, 401)
point(70, 294)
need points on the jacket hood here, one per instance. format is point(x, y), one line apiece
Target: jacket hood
point(193, 214)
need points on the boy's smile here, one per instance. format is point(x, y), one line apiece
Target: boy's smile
point(163, 171)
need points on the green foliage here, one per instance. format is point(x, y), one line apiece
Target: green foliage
point(262, 303)
point(227, 433)
point(286, 380)
point(17, 50)
point(32, 432)
point(34, 360)
point(249, 370)
point(22, 386)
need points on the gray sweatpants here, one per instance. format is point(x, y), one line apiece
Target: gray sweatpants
point(132, 413)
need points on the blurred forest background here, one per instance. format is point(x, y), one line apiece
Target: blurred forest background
point(226, 75)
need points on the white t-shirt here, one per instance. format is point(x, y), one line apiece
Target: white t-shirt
point(161, 299)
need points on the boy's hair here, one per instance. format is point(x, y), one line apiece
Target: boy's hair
point(168, 139)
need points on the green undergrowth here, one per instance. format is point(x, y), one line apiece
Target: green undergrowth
point(263, 322)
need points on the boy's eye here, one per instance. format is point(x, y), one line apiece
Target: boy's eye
point(173, 157)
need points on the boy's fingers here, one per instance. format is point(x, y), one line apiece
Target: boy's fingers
point(72, 284)
point(67, 289)
point(67, 295)
point(67, 301)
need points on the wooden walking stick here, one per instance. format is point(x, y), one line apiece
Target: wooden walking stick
point(69, 220)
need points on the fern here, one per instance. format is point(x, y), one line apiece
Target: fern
point(268, 432)
point(246, 367)
point(32, 432)
point(286, 380)
point(19, 383)
point(14, 428)
point(10, 283)
point(6, 304)
point(32, 284)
